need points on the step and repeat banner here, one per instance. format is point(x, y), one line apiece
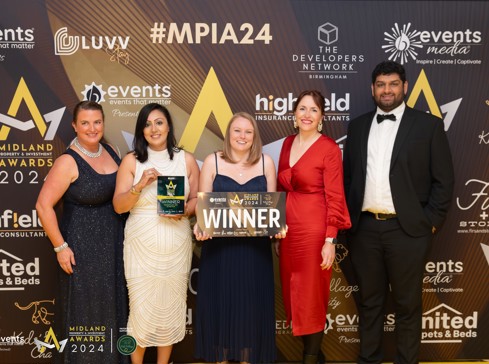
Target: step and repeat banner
point(205, 60)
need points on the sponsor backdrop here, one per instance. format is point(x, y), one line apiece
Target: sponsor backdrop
point(205, 60)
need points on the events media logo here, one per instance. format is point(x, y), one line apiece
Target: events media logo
point(122, 95)
point(94, 92)
point(445, 46)
point(402, 43)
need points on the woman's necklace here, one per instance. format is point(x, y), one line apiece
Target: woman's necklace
point(89, 154)
point(240, 171)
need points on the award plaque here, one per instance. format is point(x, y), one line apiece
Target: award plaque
point(171, 195)
point(226, 214)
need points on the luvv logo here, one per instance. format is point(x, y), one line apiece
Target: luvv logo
point(66, 45)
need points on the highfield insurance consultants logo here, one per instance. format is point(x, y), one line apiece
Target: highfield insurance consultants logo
point(444, 324)
point(432, 47)
point(16, 274)
point(329, 62)
point(115, 46)
point(276, 108)
point(19, 225)
point(476, 201)
point(17, 38)
point(123, 95)
point(439, 276)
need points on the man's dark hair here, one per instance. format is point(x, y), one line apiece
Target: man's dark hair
point(387, 68)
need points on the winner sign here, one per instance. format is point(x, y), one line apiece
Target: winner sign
point(225, 214)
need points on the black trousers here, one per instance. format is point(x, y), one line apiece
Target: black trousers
point(383, 255)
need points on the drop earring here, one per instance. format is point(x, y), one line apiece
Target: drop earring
point(320, 127)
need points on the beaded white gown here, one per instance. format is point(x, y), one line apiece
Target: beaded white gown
point(157, 260)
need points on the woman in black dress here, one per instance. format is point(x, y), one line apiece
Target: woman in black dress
point(91, 305)
point(235, 318)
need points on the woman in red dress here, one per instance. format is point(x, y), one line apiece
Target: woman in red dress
point(310, 171)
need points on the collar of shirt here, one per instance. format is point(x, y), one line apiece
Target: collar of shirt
point(398, 112)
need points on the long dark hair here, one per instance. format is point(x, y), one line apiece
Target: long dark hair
point(140, 144)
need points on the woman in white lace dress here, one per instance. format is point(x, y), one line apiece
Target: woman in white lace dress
point(157, 248)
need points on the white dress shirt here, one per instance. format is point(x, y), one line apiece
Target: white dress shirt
point(378, 197)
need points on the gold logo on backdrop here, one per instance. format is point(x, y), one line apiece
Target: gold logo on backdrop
point(42, 345)
point(40, 311)
point(341, 253)
point(422, 85)
point(23, 94)
point(46, 124)
point(211, 100)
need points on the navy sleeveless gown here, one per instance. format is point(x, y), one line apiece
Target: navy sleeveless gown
point(235, 317)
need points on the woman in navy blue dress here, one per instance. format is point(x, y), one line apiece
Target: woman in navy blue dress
point(235, 318)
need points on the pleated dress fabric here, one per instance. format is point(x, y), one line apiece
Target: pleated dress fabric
point(235, 317)
point(157, 260)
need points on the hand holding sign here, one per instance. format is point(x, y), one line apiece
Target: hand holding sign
point(238, 214)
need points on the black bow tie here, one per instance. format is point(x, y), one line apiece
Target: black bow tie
point(381, 118)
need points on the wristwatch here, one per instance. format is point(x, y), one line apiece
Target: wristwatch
point(333, 241)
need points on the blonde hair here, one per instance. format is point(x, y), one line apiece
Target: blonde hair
point(256, 146)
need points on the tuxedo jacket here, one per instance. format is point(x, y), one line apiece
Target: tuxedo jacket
point(421, 172)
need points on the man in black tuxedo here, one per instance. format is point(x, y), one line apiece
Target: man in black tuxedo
point(398, 184)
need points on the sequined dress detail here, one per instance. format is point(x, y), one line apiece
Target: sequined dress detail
point(93, 298)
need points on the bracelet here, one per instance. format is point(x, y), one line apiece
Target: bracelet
point(332, 241)
point(61, 247)
point(134, 192)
